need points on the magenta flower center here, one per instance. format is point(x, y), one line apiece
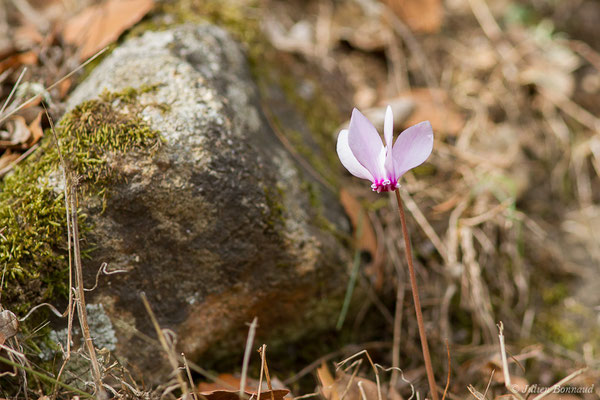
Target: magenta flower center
point(385, 185)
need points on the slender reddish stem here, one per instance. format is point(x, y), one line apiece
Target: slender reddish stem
point(417, 301)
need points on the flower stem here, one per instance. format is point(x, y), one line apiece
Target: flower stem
point(417, 301)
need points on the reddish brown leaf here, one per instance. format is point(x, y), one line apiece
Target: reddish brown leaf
point(434, 105)
point(235, 394)
point(327, 383)
point(35, 127)
point(367, 241)
point(420, 15)
point(98, 26)
point(16, 60)
point(225, 382)
point(7, 158)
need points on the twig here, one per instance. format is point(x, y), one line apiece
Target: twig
point(417, 301)
point(81, 310)
point(507, 382)
point(14, 89)
point(262, 352)
point(45, 377)
point(264, 359)
point(249, 341)
point(489, 383)
point(559, 383)
point(397, 333)
point(412, 387)
point(188, 372)
point(362, 391)
point(357, 365)
point(449, 371)
point(168, 349)
point(345, 350)
point(71, 307)
point(37, 96)
point(366, 353)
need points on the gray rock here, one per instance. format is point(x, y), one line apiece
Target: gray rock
point(220, 225)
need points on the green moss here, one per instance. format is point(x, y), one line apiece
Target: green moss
point(555, 294)
point(274, 198)
point(561, 331)
point(32, 211)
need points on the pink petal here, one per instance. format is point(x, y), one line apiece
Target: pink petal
point(347, 158)
point(388, 126)
point(366, 144)
point(412, 147)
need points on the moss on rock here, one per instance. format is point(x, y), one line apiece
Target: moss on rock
point(33, 249)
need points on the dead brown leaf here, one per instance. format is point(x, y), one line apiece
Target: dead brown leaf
point(228, 383)
point(225, 382)
point(9, 325)
point(35, 127)
point(16, 133)
point(235, 394)
point(424, 16)
point(434, 105)
point(100, 25)
point(345, 385)
point(327, 383)
point(16, 60)
point(367, 241)
point(7, 158)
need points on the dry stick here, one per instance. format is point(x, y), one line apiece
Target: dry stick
point(163, 342)
point(14, 89)
point(366, 353)
point(397, 333)
point(560, 383)
point(37, 96)
point(417, 301)
point(70, 309)
point(189, 373)
point(81, 310)
point(264, 360)
point(507, 382)
point(261, 351)
point(487, 388)
point(249, 341)
point(73, 238)
point(449, 370)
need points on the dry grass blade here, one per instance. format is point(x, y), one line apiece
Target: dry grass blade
point(70, 192)
point(559, 384)
point(366, 353)
point(249, 341)
point(71, 306)
point(171, 355)
point(507, 381)
point(80, 298)
point(52, 86)
point(449, 371)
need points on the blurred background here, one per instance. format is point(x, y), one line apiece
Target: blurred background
point(504, 216)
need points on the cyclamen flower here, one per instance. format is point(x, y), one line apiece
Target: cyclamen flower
point(362, 152)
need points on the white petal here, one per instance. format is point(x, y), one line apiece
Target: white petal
point(348, 159)
point(388, 126)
